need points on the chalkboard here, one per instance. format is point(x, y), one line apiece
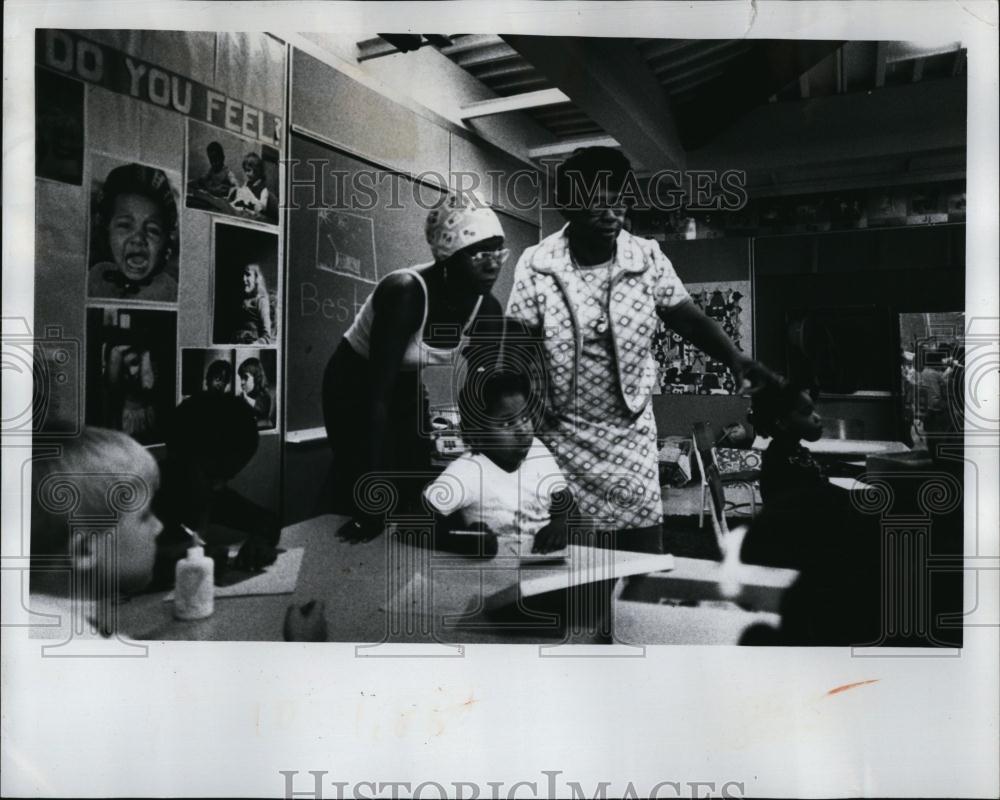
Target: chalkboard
point(350, 224)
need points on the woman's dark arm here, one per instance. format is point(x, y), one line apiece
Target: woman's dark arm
point(399, 311)
point(485, 335)
point(704, 333)
point(555, 535)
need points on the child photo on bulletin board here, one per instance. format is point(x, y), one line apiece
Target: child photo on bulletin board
point(131, 369)
point(231, 175)
point(246, 283)
point(133, 232)
point(256, 383)
point(207, 369)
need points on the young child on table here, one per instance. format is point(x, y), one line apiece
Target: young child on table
point(508, 485)
point(211, 438)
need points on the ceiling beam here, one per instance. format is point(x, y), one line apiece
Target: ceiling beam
point(608, 80)
point(567, 146)
point(515, 102)
point(894, 120)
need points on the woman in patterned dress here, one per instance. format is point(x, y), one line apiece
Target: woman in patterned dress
point(590, 297)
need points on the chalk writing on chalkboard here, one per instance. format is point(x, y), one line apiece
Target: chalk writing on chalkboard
point(345, 245)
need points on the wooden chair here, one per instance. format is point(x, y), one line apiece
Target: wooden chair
point(714, 481)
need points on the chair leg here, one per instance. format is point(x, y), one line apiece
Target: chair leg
point(701, 510)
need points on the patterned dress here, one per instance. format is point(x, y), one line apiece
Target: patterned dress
point(600, 425)
point(607, 452)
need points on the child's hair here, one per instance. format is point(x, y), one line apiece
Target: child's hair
point(219, 370)
point(146, 182)
point(252, 366)
point(254, 160)
point(218, 431)
point(97, 473)
point(584, 171)
point(479, 396)
point(772, 404)
point(216, 148)
point(259, 281)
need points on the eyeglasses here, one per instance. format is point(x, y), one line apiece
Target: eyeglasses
point(498, 257)
point(616, 205)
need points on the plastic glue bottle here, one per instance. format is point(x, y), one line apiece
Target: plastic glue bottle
point(194, 584)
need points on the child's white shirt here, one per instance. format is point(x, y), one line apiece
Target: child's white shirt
point(511, 504)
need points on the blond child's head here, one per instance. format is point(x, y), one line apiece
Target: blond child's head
point(91, 512)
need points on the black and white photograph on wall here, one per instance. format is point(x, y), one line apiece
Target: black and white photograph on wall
point(246, 285)
point(58, 128)
point(134, 235)
point(345, 244)
point(207, 369)
point(231, 175)
point(257, 383)
point(131, 370)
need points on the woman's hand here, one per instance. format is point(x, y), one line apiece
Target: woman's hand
point(551, 538)
point(752, 376)
point(306, 623)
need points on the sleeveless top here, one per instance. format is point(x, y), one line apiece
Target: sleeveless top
point(418, 353)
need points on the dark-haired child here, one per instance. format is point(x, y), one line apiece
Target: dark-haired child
point(508, 485)
point(786, 413)
point(210, 439)
point(219, 180)
point(219, 377)
point(805, 517)
point(136, 233)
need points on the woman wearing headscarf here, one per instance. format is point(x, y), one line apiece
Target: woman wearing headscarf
point(590, 297)
point(374, 402)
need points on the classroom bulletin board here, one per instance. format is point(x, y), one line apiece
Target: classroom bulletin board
point(157, 167)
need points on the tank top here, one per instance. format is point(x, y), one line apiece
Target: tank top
point(418, 353)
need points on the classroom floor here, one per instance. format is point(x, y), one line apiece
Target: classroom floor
point(686, 501)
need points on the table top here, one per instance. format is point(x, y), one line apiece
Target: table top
point(388, 590)
point(844, 446)
point(391, 592)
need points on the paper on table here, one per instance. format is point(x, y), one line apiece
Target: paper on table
point(851, 484)
point(584, 565)
point(279, 578)
point(520, 547)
